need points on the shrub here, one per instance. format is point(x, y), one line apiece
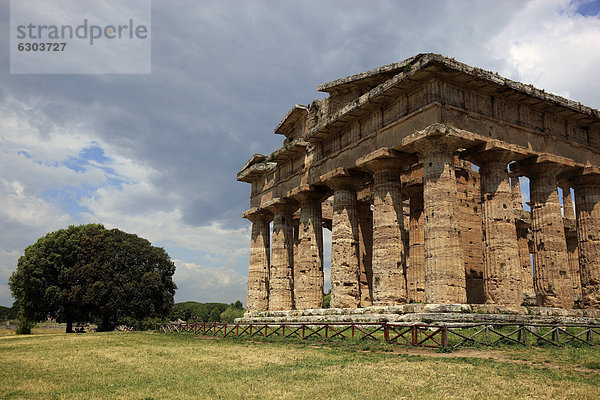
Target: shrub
point(215, 315)
point(230, 314)
point(327, 300)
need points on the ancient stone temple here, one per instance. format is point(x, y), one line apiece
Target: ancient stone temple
point(415, 167)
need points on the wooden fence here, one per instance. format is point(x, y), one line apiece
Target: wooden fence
point(414, 335)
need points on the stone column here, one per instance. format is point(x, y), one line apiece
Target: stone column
point(515, 187)
point(296, 229)
point(552, 280)
point(444, 265)
point(568, 210)
point(258, 271)
point(365, 245)
point(308, 266)
point(573, 254)
point(587, 206)
point(281, 284)
point(389, 255)
point(415, 275)
point(523, 236)
point(345, 269)
point(501, 262)
point(571, 236)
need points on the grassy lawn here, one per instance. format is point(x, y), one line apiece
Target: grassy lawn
point(151, 366)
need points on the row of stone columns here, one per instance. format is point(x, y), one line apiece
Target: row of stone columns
point(558, 267)
point(436, 272)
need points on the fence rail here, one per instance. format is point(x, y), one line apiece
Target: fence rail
point(414, 335)
point(524, 334)
point(411, 335)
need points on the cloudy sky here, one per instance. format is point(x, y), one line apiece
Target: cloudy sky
point(157, 154)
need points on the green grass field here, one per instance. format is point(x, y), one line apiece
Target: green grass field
point(152, 366)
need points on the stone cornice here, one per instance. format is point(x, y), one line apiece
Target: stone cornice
point(422, 66)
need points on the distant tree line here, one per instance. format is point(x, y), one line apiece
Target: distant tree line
point(192, 311)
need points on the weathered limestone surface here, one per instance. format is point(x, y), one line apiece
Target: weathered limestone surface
point(572, 249)
point(258, 272)
point(389, 255)
point(448, 314)
point(573, 253)
point(552, 278)
point(281, 284)
point(502, 269)
point(296, 231)
point(568, 210)
point(365, 244)
point(415, 274)
point(523, 239)
point(444, 266)
point(471, 232)
point(345, 268)
point(515, 187)
point(587, 206)
point(308, 265)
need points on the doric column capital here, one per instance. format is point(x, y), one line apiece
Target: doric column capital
point(493, 152)
point(585, 176)
point(436, 139)
point(309, 192)
point(341, 178)
point(257, 214)
point(384, 160)
point(542, 165)
point(281, 205)
point(438, 145)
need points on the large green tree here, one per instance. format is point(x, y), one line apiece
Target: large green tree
point(89, 273)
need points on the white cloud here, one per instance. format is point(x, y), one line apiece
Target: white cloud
point(160, 220)
point(556, 49)
point(209, 283)
point(28, 210)
point(25, 126)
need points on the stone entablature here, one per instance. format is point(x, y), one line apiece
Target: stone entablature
point(411, 221)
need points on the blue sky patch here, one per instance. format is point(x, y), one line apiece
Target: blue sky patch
point(68, 199)
point(587, 8)
point(95, 153)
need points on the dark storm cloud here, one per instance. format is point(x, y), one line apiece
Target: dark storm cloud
point(224, 73)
